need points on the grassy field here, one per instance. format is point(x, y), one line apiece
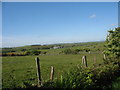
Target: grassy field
point(21, 70)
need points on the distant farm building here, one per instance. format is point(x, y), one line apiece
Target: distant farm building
point(56, 47)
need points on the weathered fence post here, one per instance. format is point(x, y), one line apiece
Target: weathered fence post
point(38, 71)
point(94, 61)
point(52, 73)
point(104, 57)
point(84, 61)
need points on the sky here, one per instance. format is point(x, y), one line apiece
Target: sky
point(28, 23)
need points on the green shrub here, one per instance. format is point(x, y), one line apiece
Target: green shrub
point(84, 78)
point(35, 52)
point(27, 52)
point(104, 75)
point(69, 51)
point(78, 78)
point(112, 49)
point(116, 84)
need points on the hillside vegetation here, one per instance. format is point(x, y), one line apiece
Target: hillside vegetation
point(53, 49)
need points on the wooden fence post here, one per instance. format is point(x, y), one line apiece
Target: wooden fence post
point(104, 57)
point(38, 71)
point(94, 61)
point(52, 73)
point(84, 61)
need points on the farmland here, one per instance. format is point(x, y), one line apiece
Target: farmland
point(67, 45)
point(19, 70)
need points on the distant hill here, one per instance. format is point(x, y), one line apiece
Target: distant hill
point(97, 44)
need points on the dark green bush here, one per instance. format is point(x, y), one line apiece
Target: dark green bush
point(69, 51)
point(35, 52)
point(27, 52)
point(76, 78)
point(84, 78)
point(112, 45)
point(104, 75)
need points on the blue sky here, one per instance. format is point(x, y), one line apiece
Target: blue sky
point(61, 22)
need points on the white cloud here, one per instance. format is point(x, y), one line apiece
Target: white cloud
point(93, 16)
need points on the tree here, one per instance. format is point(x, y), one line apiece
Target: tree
point(112, 45)
point(67, 51)
point(27, 52)
point(35, 52)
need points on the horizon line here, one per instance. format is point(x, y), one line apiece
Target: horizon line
point(52, 44)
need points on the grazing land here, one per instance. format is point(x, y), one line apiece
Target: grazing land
point(37, 53)
point(21, 70)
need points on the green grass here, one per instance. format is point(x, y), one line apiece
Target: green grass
point(116, 84)
point(20, 69)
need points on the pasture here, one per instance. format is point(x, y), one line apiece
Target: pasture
point(21, 70)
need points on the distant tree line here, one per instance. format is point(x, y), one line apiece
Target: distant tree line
point(76, 51)
point(25, 53)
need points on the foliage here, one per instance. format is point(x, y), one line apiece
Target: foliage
point(105, 75)
point(35, 52)
point(68, 51)
point(14, 54)
point(113, 43)
point(27, 52)
point(86, 78)
point(77, 78)
point(86, 49)
point(116, 83)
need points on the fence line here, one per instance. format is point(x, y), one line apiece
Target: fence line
point(84, 63)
